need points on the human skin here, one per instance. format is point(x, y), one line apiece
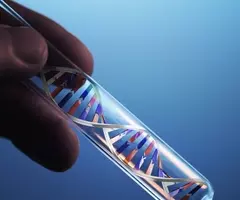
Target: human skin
point(33, 124)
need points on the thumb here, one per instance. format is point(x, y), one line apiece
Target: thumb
point(23, 52)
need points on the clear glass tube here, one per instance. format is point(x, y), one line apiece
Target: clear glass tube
point(121, 136)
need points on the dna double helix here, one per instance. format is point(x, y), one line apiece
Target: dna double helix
point(134, 147)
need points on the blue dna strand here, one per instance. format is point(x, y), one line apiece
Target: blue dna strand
point(130, 144)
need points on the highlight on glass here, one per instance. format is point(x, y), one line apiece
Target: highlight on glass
point(118, 134)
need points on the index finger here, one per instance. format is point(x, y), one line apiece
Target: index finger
point(64, 41)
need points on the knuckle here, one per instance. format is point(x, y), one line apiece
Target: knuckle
point(22, 50)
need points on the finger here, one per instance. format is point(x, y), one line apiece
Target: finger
point(68, 44)
point(51, 149)
point(45, 138)
point(23, 52)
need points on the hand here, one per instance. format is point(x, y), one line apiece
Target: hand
point(36, 127)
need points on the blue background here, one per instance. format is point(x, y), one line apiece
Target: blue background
point(187, 53)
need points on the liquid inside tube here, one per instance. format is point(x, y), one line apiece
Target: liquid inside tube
point(131, 145)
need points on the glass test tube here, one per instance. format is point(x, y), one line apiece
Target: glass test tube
point(119, 135)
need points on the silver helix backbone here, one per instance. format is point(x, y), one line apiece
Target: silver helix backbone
point(82, 102)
